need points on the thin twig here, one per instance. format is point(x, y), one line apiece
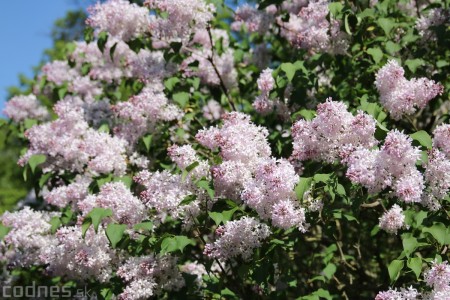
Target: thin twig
point(222, 83)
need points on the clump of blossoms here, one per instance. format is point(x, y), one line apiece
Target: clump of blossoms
point(394, 164)
point(401, 96)
point(20, 108)
point(28, 237)
point(252, 19)
point(120, 18)
point(145, 185)
point(310, 29)
point(263, 104)
point(81, 258)
point(437, 278)
point(143, 112)
point(334, 133)
point(393, 219)
point(69, 143)
point(237, 238)
point(434, 17)
point(126, 208)
point(147, 276)
point(183, 18)
point(70, 194)
point(250, 174)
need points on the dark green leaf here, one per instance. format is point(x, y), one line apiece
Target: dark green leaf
point(114, 232)
point(423, 138)
point(303, 185)
point(36, 160)
point(102, 40)
point(394, 269)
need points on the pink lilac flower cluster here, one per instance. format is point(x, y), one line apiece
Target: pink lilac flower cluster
point(393, 219)
point(120, 18)
point(59, 72)
point(237, 238)
point(434, 17)
point(147, 276)
point(72, 193)
point(271, 193)
point(74, 257)
point(393, 165)
point(70, 144)
point(212, 110)
point(142, 112)
point(437, 278)
point(103, 65)
point(308, 28)
point(253, 19)
point(20, 108)
point(183, 18)
point(404, 294)
point(437, 168)
point(164, 191)
point(126, 208)
point(28, 236)
point(194, 268)
point(334, 133)
point(249, 173)
point(263, 104)
point(213, 68)
point(401, 96)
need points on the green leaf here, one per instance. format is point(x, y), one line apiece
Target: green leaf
point(376, 54)
point(55, 222)
point(303, 185)
point(189, 169)
point(439, 232)
point(335, 8)
point(415, 264)
point(322, 178)
point(423, 138)
point(127, 180)
point(85, 226)
point(329, 271)
point(28, 123)
point(394, 269)
point(104, 128)
point(97, 214)
point(44, 178)
point(3, 231)
point(114, 232)
point(62, 91)
point(112, 51)
point(222, 217)
point(146, 226)
point(413, 64)
point(147, 141)
point(392, 47)
point(347, 25)
point(36, 160)
point(175, 243)
point(204, 184)
point(410, 244)
point(187, 200)
point(289, 69)
point(181, 98)
point(102, 40)
point(386, 25)
point(171, 82)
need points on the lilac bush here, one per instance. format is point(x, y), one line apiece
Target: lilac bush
point(279, 150)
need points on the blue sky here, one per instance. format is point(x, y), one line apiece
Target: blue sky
point(25, 27)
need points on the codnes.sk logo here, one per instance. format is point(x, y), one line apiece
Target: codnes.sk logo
point(45, 292)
